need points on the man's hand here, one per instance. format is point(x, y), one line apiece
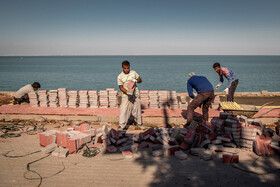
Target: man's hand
point(217, 87)
point(226, 90)
point(134, 80)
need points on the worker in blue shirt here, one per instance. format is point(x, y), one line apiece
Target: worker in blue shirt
point(230, 76)
point(204, 97)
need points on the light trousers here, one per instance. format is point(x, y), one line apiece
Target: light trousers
point(130, 106)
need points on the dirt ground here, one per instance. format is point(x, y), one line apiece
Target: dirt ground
point(5, 99)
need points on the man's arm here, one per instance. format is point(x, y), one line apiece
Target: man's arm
point(190, 90)
point(139, 80)
point(122, 89)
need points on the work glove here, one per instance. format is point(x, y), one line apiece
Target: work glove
point(226, 90)
point(133, 80)
point(218, 86)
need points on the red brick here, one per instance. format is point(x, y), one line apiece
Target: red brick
point(127, 154)
point(230, 158)
point(150, 131)
point(111, 149)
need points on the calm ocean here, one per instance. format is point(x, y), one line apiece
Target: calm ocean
point(255, 73)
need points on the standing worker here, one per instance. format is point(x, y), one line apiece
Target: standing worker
point(131, 104)
point(22, 94)
point(205, 95)
point(230, 76)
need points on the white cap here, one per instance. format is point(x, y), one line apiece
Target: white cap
point(191, 74)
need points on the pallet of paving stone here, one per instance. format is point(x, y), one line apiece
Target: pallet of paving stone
point(113, 98)
point(144, 97)
point(103, 99)
point(153, 99)
point(33, 99)
point(83, 99)
point(163, 99)
point(73, 99)
point(93, 98)
point(173, 100)
point(62, 97)
point(43, 98)
point(53, 98)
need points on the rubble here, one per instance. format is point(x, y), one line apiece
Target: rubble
point(227, 134)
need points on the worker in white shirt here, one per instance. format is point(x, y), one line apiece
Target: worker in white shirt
point(22, 94)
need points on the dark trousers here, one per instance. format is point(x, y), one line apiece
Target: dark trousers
point(24, 98)
point(205, 99)
point(231, 90)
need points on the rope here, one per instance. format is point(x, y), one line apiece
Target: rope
point(10, 130)
point(91, 152)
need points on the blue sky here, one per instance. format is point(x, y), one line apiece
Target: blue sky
point(143, 27)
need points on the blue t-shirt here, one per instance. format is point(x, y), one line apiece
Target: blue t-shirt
point(200, 84)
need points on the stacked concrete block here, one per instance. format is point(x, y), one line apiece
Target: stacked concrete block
point(73, 99)
point(83, 99)
point(216, 102)
point(103, 99)
point(113, 98)
point(183, 101)
point(144, 96)
point(33, 98)
point(48, 137)
point(163, 99)
point(173, 101)
point(219, 123)
point(62, 97)
point(93, 99)
point(49, 148)
point(76, 140)
point(53, 98)
point(153, 99)
point(43, 98)
point(248, 135)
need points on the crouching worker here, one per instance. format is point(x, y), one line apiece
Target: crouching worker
point(22, 94)
point(131, 104)
point(204, 97)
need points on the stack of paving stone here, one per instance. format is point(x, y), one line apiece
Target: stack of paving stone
point(113, 98)
point(93, 98)
point(53, 98)
point(83, 99)
point(43, 98)
point(103, 99)
point(62, 97)
point(249, 132)
point(216, 102)
point(183, 101)
point(163, 99)
point(73, 99)
point(33, 98)
point(173, 101)
point(153, 99)
point(144, 96)
point(201, 140)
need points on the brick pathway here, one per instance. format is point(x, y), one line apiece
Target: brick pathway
point(113, 170)
point(26, 109)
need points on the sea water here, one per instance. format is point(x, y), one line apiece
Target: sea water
point(256, 73)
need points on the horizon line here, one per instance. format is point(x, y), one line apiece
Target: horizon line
point(137, 55)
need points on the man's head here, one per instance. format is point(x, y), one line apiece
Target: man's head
point(126, 67)
point(36, 86)
point(191, 74)
point(217, 67)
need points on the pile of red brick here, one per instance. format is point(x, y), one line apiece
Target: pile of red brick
point(226, 133)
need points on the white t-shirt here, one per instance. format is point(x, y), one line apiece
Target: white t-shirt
point(24, 90)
